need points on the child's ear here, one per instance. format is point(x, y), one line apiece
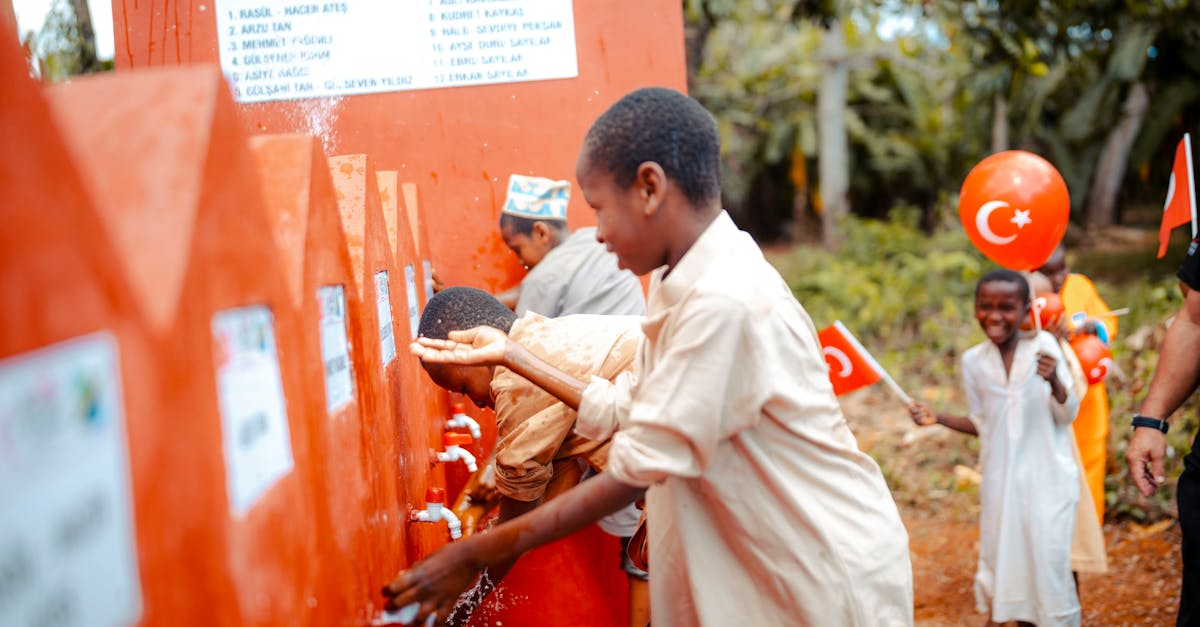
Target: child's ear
point(651, 182)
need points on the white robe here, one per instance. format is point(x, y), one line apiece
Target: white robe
point(1030, 484)
point(761, 509)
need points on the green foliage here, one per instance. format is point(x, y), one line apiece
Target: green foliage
point(906, 294)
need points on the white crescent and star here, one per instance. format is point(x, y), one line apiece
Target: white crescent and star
point(1020, 218)
point(1170, 192)
point(841, 358)
point(1100, 368)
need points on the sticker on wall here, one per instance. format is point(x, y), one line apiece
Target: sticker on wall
point(335, 348)
point(383, 306)
point(428, 269)
point(67, 550)
point(414, 310)
point(254, 425)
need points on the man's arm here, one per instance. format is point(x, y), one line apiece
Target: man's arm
point(436, 581)
point(1175, 377)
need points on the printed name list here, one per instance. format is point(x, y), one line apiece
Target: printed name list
point(281, 50)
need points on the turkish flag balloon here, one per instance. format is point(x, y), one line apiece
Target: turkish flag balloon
point(1094, 357)
point(1014, 207)
point(1048, 307)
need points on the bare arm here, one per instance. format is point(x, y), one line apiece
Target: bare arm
point(436, 581)
point(509, 297)
point(923, 415)
point(1175, 378)
point(485, 346)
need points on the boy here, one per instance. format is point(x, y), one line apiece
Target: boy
point(1021, 406)
point(536, 453)
point(569, 273)
point(1087, 313)
point(761, 508)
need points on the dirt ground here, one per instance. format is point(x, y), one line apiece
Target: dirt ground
point(1140, 588)
point(929, 471)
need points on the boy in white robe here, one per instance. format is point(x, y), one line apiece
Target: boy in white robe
point(761, 508)
point(1021, 406)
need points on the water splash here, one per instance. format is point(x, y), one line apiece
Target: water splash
point(317, 117)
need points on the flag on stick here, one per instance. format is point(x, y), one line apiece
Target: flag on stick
point(850, 365)
point(1180, 207)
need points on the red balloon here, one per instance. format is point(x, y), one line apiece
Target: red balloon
point(1093, 355)
point(1014, 206)
point(1048, 307)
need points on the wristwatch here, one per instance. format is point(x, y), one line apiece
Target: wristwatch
point(1153, 423)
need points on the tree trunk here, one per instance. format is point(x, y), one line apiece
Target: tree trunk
point(88, 61)
point(999, 124)
point(833, 149)
point(1110, 171)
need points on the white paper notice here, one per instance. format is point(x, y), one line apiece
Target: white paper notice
point(414, 310)
point(67, 549)
point(383, 306)
point(258, 450)
point(285, 49)
point(335, 348)
point(428, 268)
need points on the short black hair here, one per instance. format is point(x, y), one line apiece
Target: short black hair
point(521, 225)
point(1004, 275)
point(462, 308)
point(663, 126)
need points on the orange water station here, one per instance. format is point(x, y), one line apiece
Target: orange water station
point(213, 261)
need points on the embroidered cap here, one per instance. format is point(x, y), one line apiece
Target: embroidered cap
point(537, 198)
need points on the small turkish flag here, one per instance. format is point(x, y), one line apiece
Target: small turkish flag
point(1180, 207)
point(850, 365)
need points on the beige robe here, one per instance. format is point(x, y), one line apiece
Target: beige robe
point(762, 509)
point(533, 428)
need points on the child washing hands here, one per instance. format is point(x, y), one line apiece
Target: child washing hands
point(1021, 403)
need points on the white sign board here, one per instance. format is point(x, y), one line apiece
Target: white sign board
point(286, 49)
point(67, 549)
point(383, 307)
point(258, 450)
point(335, 348)
point(414, 310)
point(428, 269)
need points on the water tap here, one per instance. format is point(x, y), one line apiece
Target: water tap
point(462, 421)
point(455, 452)
point(435, 510)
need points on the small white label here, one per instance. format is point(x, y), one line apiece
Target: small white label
point(335, 348)
point(428, 269)
point(383, 306)
point(279, 50)
point(67, 549)
point(254, 425)
point(414, 310)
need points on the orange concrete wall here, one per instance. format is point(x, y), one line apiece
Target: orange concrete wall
point(458, 144)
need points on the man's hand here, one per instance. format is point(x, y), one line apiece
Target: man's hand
point(1045, 366)
point(435, 582)
point(1147, 449)
point(921, 414)
point(481, 346)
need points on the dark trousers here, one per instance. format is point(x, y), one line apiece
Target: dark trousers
point(1188, 494)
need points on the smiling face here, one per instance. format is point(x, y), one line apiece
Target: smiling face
point(623, 224)
point(1000, 308)
point(474, 382)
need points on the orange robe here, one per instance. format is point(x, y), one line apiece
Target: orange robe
point(1091, 424)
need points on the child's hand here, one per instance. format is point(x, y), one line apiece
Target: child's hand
point(1046, 366)
point(1058, 327)
point(921, 414)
